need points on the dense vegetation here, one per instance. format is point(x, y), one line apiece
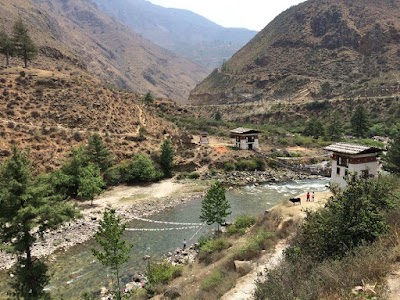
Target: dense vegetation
point(340, 245)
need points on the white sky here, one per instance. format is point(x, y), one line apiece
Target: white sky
point(251, 14)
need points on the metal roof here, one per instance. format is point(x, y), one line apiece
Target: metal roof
point(352, 148)
point(242, 130)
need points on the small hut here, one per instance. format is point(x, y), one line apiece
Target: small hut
point(245, 138)
point(203, 137)
point(353, 159)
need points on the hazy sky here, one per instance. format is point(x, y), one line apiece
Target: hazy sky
point(251, 14)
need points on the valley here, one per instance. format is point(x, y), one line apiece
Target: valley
point(147, 113)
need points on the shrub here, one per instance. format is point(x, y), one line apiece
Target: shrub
point(162, 272)
point(215, 245)
point(214, 279)
point(241, 224)
point(194, 175)
point(114, 175)
point(142, 169)
point(228, 167)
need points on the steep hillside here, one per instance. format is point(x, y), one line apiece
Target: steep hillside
point(179, 31)
point(77, 31)
point(315, 50)
point(50, 111)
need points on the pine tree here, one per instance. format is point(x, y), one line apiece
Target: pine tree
point(148, 98)
point(114, 251)
point(28, 207)
point(167, 158)
point(334, 130)
point(24, 46)
point(6, 46)
point(90, 182)
point(215, 206)
point(391, 161)
point(359, 121)
point(98, 153)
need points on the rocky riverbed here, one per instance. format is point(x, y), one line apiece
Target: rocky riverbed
point(80, 230)
point(237, 178)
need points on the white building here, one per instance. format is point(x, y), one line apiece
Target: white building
point(245, 138)
point(352, 159)
point(203, 137)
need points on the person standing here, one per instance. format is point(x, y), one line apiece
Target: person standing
point(313, 196)
point(184, 244)
point(308, 196)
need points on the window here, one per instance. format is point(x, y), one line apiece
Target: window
point(364, 173)
point(337, 171)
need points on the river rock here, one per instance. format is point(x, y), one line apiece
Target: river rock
point(243, 267)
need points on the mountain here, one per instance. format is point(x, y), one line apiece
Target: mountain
point(78, 32)
point(180, 31)
point(318, 49)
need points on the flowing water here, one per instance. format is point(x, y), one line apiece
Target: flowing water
point(76, 270)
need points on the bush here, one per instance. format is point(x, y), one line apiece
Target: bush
point(241, 224)
point(194, 175)
point(215, 245)
point(114, 175)
point(213, 280)
point(228, 167)
point(142, 169)
point(162, 272)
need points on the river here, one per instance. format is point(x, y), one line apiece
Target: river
point(76, 270)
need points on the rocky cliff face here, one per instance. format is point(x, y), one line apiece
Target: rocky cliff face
point(319, 49)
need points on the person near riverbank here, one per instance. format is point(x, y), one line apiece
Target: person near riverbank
point(184, 244)
point(313, 197)
point(308, 196)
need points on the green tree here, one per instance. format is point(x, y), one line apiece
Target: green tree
point(218, 116)
point(90, 182)
point(24, 46)
point(391, 161)
point(314, 128)
point(334, 129)
point(215, 207)
point(167, 158)
point(148, 98)
point(359, 121)
point(6, 46)
point(114, 251)
point(28, 207)
point(98, 153)
point(142, 169)
point(326, 89)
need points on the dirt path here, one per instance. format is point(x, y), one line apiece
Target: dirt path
point(393, 283)
point(246, 285)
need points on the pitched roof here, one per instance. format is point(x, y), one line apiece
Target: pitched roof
point(352, 148)
point(242, 130)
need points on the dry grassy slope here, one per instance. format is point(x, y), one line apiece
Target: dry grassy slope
point(354, 45)
point(50, 111)
point(76, 31)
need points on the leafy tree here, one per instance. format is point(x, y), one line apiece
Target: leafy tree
point(142, 169)
point(24, 46)
point(98, 153)
point(90, 182)
point(28, 208)
point(334, 129)
point(314, 128)
point(359, 121)
point(392, 158)
point(114, 251)
point(6, 46)
point(215, 206)
point(167, 158)
point(148, 98)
